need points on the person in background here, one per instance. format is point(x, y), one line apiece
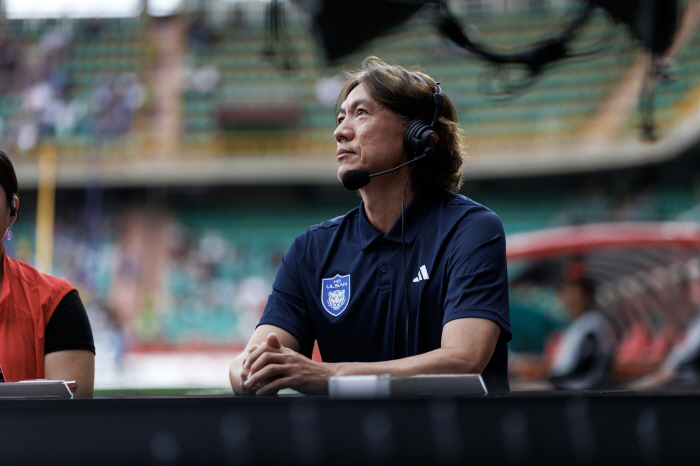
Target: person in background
point(582, 357)
point(44, 329)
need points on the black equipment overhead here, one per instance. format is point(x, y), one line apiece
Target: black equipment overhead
point(341, 27)
point(652, 22)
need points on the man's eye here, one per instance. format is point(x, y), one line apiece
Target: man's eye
point(340, 120)
point(360, 111)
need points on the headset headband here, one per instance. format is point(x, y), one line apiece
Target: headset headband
point(437, 97)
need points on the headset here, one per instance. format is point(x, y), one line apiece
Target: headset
point(421, 137)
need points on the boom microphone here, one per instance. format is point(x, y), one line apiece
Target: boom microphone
point(356, 179)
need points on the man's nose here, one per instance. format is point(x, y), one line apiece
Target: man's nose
point(343, 132)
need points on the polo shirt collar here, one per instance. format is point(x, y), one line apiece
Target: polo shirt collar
point(416, 214)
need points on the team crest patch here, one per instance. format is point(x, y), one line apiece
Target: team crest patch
point(335, 294)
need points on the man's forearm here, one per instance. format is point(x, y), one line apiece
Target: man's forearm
point(276, 371)
point(439, 361)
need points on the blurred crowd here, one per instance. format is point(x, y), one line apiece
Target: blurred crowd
point(35, 82)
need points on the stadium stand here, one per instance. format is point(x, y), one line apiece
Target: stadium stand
point(555, 107)
point(81, 90)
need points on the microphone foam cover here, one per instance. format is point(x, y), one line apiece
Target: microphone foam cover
point(355, 179)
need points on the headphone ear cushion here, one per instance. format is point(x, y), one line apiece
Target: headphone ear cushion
point(412, 143)
point(419, 136)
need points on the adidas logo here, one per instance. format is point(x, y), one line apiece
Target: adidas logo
point(422, 274)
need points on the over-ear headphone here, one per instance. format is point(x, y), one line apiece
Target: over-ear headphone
point(420, 135)
point(13, 206)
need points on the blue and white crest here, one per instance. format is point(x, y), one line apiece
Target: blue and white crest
point(335, 294)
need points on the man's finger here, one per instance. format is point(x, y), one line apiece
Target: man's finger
point(274, 341)
point(267, 359)
point(252, 357)
point(271, 343)
point(248, 352)
point(265, 375)
point(273, 387)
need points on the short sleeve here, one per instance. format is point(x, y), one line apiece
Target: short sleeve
point(477, 274)
point(286, 306)
point(69, 327)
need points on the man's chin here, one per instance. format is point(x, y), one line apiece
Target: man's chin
point(342, 171)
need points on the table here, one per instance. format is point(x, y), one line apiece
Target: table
point(614, 428)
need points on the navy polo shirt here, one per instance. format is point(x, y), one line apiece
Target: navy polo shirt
point(342, 283)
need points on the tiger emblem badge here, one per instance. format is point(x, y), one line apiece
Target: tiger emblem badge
point(335, 294)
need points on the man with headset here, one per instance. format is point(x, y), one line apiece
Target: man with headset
point(413, 281)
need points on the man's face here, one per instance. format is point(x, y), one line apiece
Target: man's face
point(369, 135)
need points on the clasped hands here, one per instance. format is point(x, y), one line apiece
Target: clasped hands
point(270, 367)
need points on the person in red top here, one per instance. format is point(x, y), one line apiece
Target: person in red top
point(44, 329)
